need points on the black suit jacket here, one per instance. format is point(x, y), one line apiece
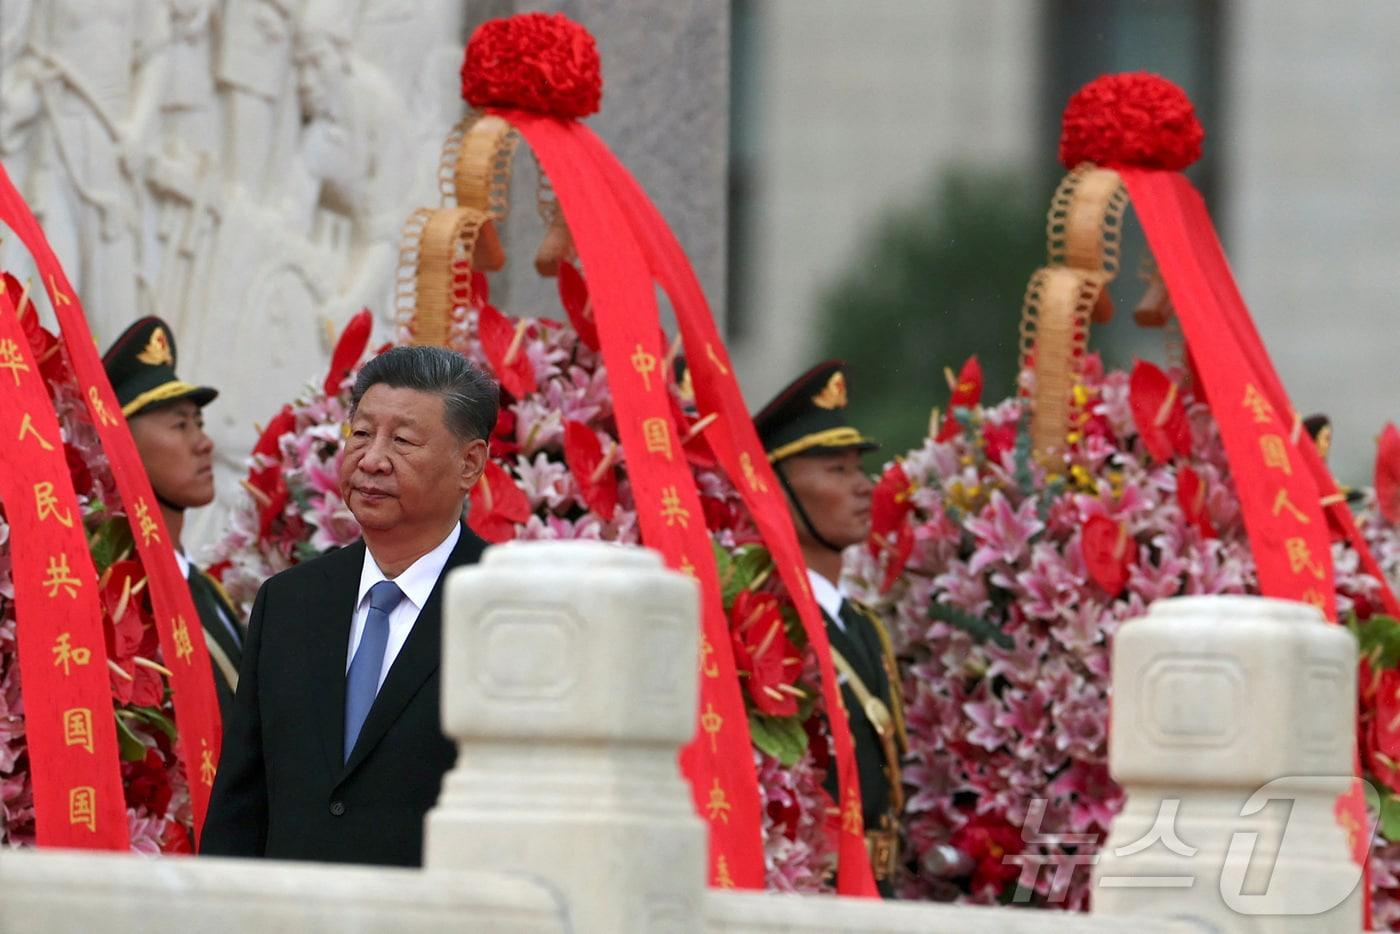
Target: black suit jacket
point(282, 790)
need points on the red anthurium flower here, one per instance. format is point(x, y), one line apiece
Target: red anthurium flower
point(1383, 747)
point(1109, 553)
point(348, 350)
point(765, 659)
point(573, 294)
point(497, 505)
point(998, 440)
point(504, 345)
point(988, 840)
point(1387, 478)
point(966, 393)
point(131, 637)
point(44, 345)
point(594, 471)
point(148, 784)
point(900, 550)
point(1191, 497)
point(890, 504)
point(176, 840)
point(503, 437)
point(266, 484)
point(1158, 414)
point(692, 432)
point(481, 290)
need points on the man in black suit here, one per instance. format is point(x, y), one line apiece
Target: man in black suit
point(166, 416)
point(816, 457)
point(335, 751)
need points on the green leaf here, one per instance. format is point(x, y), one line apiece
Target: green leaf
point(1390, 816)
point(781, 737)
point(110, 542)
point(131, 748)
point(156, 719)
point(975, 626)
point(1379, 640)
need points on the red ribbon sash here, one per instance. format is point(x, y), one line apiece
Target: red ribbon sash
point(177, 622)
point(68, 724)
point(626, 246)
point(1278, 475)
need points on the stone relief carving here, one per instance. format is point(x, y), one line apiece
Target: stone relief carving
point(239, 167)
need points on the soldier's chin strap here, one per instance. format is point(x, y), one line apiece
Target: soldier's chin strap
point(167, 503)
point(802, 511)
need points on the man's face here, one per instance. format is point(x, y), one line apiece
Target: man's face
point(178, 455)
point(403, 468)
point(836, 494)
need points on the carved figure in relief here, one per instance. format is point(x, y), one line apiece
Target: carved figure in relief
point(101, 87)
point(253, 68)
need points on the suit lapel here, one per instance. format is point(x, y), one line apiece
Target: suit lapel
point(330, 614)
point(416, 662)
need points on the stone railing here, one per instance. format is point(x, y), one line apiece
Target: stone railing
point(570, 682)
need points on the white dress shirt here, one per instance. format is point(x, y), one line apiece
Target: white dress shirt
point(416, 582)
point(828, 597)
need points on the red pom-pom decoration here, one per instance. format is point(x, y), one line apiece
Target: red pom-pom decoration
point(541, 62)
point(1131, 119)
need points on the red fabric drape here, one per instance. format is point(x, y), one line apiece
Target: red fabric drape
point(70, 734)
point(181, 636)
point(626, 247)
point(1278, 476)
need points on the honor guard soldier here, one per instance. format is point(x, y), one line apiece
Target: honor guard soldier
point(164, 413)
point(816, 456)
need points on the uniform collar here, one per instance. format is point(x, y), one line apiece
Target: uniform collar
point(827, 594)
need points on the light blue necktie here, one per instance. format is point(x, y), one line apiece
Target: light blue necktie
point(362, 681)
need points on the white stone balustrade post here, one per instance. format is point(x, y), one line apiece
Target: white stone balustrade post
point(569, 683)
point(1233, 725)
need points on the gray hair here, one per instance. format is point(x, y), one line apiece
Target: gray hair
point(470, 398)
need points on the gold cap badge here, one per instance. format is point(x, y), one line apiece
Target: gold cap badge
point(833, 395)
point(157, 350)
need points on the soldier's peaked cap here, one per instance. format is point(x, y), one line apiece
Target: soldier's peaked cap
point(809, 416)
point(141, 366)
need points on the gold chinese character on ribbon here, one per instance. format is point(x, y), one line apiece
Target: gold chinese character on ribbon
point(66, 655)
point(26, 427)
point(714, 358)
point(207, 768)
point(1315, 598)
point(645, 364)
point(687, 568)
point(58, 297)
point(722, 877)
point(99, 407)
point(184, 648)
point(47, 505)
point(1275, 453)
point(1259, 407)
point(755, 481)
point(12, 359)
point(656, 435)
point(851, 820)
point(77, 727)
point(1283, 504)
point(1300, 558)
point(145, 522)
point(708, 666)
point(60, 577)
point(711, 722)
point(672, 510)
point(82, 807)
point(718, 806)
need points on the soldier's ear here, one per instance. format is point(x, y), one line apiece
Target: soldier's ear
point(474, 455)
